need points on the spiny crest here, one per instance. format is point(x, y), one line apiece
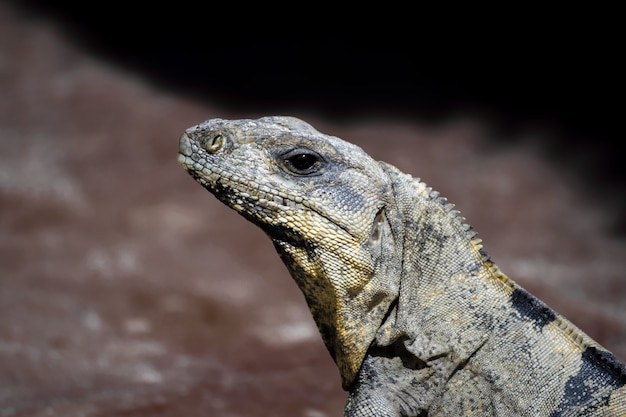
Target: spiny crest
point(433, 195)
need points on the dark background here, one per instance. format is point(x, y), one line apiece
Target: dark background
point(521, 71)
point(559, 69)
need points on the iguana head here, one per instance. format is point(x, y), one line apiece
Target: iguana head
point(323, 202)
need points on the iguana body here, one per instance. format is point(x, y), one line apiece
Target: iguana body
point(417, 318)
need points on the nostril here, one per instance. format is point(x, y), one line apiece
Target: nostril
point(213, 143)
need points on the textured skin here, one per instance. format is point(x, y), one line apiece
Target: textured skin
point(418, 319)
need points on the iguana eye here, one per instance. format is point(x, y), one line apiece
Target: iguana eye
point(302, 161)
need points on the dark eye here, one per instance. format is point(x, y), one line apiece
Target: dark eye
point(302, 161)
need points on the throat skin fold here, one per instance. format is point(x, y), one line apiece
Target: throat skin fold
point(442, 271)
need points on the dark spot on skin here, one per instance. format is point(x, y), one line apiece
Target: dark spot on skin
point(375, 300)
point(398, 350)
point(598, 366)
point(485, 256)
point(531, 308)
point(607, 363)
point(474, 268)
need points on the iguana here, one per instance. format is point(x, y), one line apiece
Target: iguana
point(418, 319)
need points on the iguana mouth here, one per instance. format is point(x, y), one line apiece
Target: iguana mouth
point(243, 194)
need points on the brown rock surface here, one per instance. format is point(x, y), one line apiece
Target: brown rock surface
point(127, 290)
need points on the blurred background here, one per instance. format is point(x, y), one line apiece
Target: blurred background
point(128, 290)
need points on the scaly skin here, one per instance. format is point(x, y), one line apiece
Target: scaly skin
point(418, 319)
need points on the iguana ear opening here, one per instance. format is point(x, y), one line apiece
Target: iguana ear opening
point(379, 221)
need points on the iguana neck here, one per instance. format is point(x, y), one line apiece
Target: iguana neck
point(442, 261)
